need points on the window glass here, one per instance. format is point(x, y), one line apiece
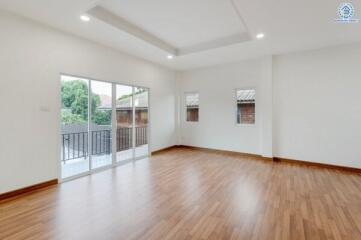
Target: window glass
point(192, 107)
point(246, 106)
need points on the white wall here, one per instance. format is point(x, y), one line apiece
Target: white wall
point(32, 57)
point(317, 106)
point(308, 106)
point(217, 126)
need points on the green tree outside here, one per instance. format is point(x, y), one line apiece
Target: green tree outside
point(74, 100)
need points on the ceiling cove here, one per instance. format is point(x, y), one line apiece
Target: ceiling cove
point(205, 24)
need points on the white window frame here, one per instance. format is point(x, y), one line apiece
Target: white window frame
point(185, 106)
point(255, 107)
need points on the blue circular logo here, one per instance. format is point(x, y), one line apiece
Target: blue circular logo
point(346, 11)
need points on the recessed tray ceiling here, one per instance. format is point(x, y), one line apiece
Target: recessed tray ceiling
point(184, 27)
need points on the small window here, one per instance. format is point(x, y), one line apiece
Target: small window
point(246, 106)
point(192, 107)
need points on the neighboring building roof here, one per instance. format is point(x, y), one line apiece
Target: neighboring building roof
point(246, 95)
point(141, 101)
point(192, 99)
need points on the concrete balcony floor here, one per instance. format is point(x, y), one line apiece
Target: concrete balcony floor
point(81, 165)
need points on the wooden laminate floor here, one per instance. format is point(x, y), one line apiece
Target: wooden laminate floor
point(192, 194)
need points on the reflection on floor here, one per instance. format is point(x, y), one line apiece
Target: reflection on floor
point(81, 165)
point(189, 194)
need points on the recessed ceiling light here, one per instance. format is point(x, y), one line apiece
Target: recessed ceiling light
point(85, 18)
point(170, 56)
point(260, 35)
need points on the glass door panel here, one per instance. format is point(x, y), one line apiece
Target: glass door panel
point(101, 124)
point(74, 126)
point(124, 116)
point(141, 121)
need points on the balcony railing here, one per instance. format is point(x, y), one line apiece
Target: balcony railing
point(75, 145)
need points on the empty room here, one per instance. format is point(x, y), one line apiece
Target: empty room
point(180, 119)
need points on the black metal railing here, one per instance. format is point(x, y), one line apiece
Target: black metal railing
point(101, 142)
point(141, 136)
point(124, 139)
point(75, 145)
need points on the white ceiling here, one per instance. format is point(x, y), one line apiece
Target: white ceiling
point(181, 23)
point(289, 25)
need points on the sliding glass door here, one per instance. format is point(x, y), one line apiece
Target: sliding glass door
point(95, 114)
point(101, 124)
point(74, 126)
point(124, 106)
point(141, 121)
point(132, 122)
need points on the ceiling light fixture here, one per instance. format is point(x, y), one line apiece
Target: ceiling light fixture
point(85, 18)
point(170, 56)
point(260, 35)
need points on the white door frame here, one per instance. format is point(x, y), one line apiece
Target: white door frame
point(114, 130)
